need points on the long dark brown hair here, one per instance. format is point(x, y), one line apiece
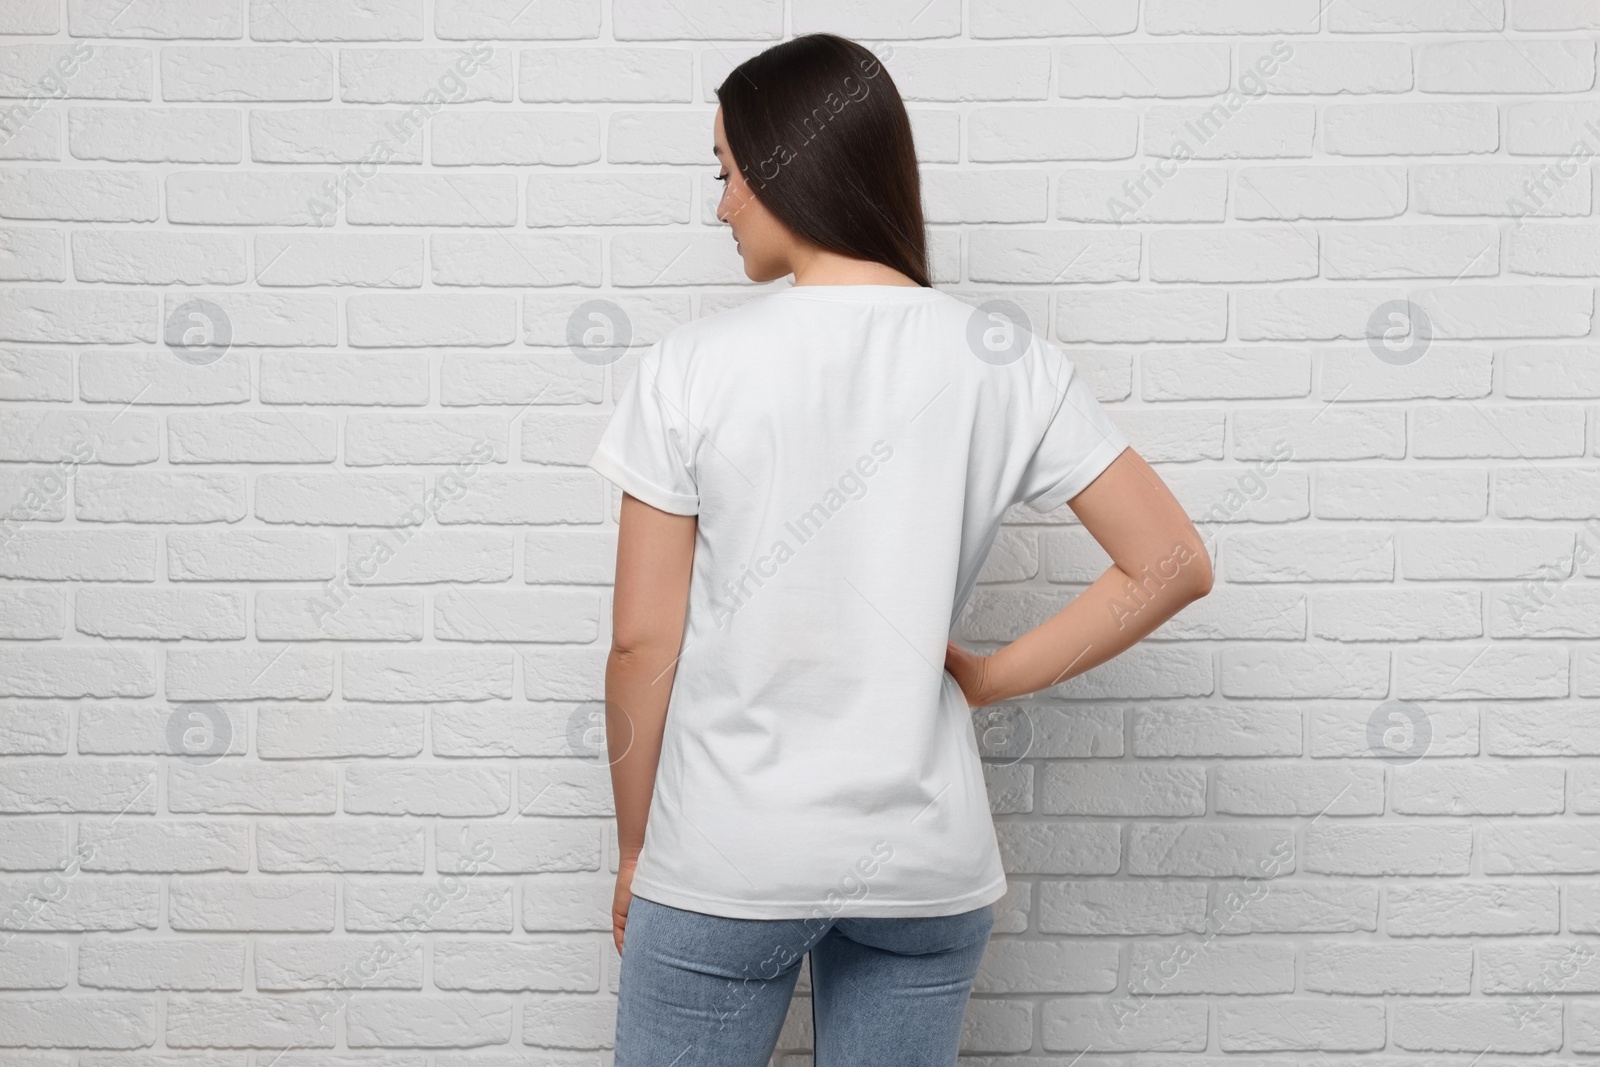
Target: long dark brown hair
point(821, 136)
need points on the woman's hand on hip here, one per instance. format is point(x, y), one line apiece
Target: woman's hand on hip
point(972, 672)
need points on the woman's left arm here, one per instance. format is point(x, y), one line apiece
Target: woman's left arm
point(1159, 565)
point(655, 553)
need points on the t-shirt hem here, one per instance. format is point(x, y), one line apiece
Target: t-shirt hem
point(1079, 478)
point(854, 909)
point(613, 471)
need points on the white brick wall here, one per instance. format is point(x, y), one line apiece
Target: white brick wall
point(303, 641)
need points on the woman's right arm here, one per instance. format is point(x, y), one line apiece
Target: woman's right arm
point(1159, 565)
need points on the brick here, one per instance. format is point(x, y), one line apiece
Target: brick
point(1397, 849)
point(152, 965)
point(1495, 672)
point(142, 846)
point(1148, 194)
point(250, 674)
point(268, 437)
point(30, 613)
point(1320, 192)
point(1334, 967)
point(1254, 254)
point(452, 790)
point(225, 904)
point(1397, 615)
point(1548, 127)
point(1472, 908)
point(143, 729)
point(249, 555)
point(1178, 967)
point(1540, 371)
point(1224, 130)
point(1121, 70)
point(341, 20)
point(1180, 314)
point(32, 728)
point(1459, 128)
point(1256, 787)
point(94, 1021)
point(1119, 790)
point(367, 615)
point(1231, 850)
point(1552, 848)
point(159, 496)
point(80, 671)
point(1431, 251)
point(1418, 16)
point(161, 378)
point(1513, 189)
point(1477, 789)
point(1231, 16)
point(1136, 906)
point(200, 74)
point(40, 436)
point(339, 731)
point(1124, 1025)
point(546, 966)
point(1327, 67)
point(1499, 66)
point(465, 903)
point(344, 378)
point(1379, 493)
point(302, 963)
point(1287, 1023)
point(252, 788)
point(1325, 906)
point(1217, 730)
point(35, 963)
point(163, 613)
point(1475, 1027)
point(109, 904)
point(524, 845)
point(1454, 372)
point(216, 1020)
point(476, 674)
point(349, 845)
point(35, 373)
point(427, 1022)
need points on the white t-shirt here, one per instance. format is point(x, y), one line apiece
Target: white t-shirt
point(850, 458)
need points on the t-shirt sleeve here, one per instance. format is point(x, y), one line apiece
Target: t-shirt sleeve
point(1077, 444)
point(645, 448)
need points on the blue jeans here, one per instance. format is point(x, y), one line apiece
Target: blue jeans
point(709, 991)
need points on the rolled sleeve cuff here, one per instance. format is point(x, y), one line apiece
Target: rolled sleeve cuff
point(609, 468)
point(1079, 478)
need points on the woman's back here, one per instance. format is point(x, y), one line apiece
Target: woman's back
point(850, 456)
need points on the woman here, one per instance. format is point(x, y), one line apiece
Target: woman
point(811, 483)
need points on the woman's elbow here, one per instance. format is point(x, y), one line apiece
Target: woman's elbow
point(1200, 577)
point(643, 645)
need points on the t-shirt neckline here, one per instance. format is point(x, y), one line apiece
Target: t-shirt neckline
point(857, 293)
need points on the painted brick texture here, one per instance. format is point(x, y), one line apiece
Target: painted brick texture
point(314, 310)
